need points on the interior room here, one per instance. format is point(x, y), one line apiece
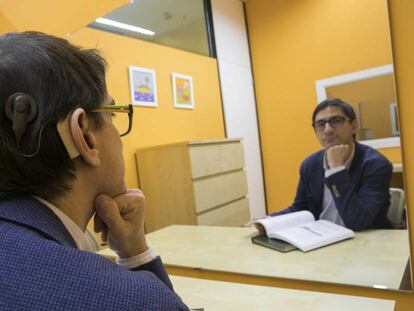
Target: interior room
point(223, 93)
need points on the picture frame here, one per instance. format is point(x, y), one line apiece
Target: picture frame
point(143, 86)
point(183, 91)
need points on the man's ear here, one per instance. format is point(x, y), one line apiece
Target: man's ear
point(83, 138)
point(354, 124)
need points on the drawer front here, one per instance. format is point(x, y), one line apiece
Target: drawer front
point(233, 214)
point(219, 189)
point(210, 159)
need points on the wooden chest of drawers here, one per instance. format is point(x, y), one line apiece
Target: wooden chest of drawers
point(197, 182)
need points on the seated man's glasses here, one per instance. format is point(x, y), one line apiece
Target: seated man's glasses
point(123, 124)
point(124, 115)
point(334, 122)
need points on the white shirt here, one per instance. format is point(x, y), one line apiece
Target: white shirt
point(329, 211)
point(84, 243)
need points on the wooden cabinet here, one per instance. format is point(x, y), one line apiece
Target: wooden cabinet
point(197, 182)
point(397, 179)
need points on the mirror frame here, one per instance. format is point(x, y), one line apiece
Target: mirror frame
point(323, 84)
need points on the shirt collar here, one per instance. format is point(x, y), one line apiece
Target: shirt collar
point(82, 239)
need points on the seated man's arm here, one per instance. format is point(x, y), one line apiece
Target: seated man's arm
point(156, 266)
point(121, 222)
point(146, 261)
point(358, 209)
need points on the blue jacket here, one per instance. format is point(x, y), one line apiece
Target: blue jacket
point(361, 194)
point(41, 269)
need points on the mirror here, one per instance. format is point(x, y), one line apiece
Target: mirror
point(176, 23)
point(285, 85)
point(371, 92)
point(344, 49)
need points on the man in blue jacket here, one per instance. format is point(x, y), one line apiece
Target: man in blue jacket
point(346, 182)
point(60, 163)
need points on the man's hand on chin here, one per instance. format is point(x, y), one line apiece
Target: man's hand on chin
point(337, 155)
point(121, 221)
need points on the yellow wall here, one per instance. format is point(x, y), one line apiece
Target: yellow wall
point(52, 16)
point(5, 25)
point(165, 124)
point(293, 44)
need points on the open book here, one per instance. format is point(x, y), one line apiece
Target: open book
point(301, 230)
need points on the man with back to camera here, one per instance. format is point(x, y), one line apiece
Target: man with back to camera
point(346, 182)
point(60, 162)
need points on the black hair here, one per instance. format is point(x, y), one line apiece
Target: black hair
point(60, 77)
point(335, 102)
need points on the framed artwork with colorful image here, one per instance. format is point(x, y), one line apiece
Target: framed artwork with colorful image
point(143, 86)
point(183, 91)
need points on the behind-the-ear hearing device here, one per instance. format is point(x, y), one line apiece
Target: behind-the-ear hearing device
point(20, 109)
point(65, 133)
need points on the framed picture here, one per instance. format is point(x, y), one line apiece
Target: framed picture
point(143, 86)
point(183, 91)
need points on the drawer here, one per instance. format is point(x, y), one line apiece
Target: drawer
point(233, 214)
point(210, 159)
point(219, 189)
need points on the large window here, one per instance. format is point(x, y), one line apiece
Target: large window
point(182, 24)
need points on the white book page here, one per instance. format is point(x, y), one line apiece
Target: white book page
point(313, 235)
point(282, 222)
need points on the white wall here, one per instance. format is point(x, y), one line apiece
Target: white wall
point(238, 94)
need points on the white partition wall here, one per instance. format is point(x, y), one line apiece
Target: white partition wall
point(238, 94)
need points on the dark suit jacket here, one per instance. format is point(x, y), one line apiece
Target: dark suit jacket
point(361, 194)
point(41, 269)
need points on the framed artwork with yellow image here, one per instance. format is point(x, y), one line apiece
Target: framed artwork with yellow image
point(183, 91)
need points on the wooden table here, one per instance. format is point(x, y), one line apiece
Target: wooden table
point(375, 258)
point(215, 295)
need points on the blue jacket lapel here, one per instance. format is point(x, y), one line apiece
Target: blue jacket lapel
point(318, 183)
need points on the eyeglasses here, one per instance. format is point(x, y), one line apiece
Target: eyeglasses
point(123, 121)
point(334, 122)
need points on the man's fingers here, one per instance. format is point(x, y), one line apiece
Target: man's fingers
point(108, 212)
point(122, 220)
point(98, 224)
point(104, 235)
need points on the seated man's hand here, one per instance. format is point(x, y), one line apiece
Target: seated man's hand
point(337, 155)
point(121, 222)
point(257, 225)
point(260, 228)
